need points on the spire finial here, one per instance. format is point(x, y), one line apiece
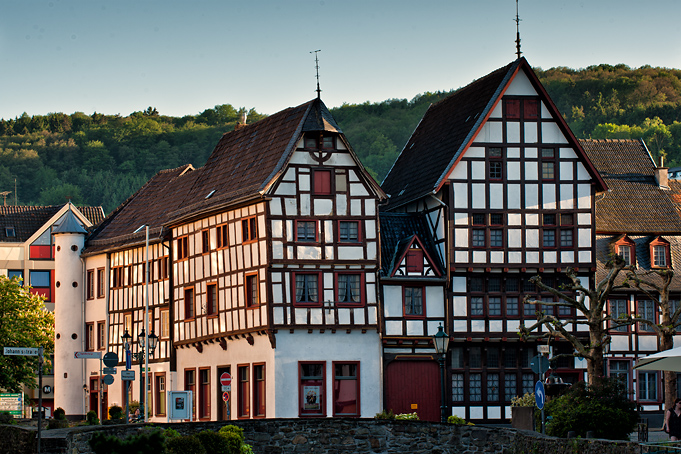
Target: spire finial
point(517, 30)
point(316, 65)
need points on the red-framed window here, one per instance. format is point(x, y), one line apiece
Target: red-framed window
point(259, 389)
point(189, 303)
point(204, 393)
point(90, 336)
point(350, 288)
point(414, 301)
point(346, 389)
point(306, 231)
point(222, 238)
point(619, 307)
point(321, 182)
point(190, 385)
point(101, 335)
point(415, 261)
point(90, 282)
point(100, 283)
point(252, 290)
point(530, 109)
point(42, 282)
point(243, 391)
point(160, 379)
point(211, 299)
point(626, 249)
point(205, 241)
point(349, 232)
point(516, 108)
point(659, 253)
point(249, 230)
point(182, 247)
point(312, 386)
point(306, 289)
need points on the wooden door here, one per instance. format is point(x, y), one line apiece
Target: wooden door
point(413, 386)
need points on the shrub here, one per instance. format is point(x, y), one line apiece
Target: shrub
point(184, 444)
point(6, 417)
point(385, 415)
point(170, 433)
point(91, 418)
point(458, 420)
point(115, 412)
point(407, 416)
point(147, 441)
point(231, 428)
point(525, 401)
point(603, 407)
point(59, 414)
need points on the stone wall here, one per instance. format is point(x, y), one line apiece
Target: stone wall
point(332, 436)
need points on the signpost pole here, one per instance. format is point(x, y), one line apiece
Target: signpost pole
point(40, 395)
point(101, 391)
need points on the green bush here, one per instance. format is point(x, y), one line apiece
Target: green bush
point(385, 415)
point(115, 412)
point(170, 433)
point(603, 407)
point(6, 417)
point(59, 414)
point(231, 428)
point(184, 444)
point(458, 420)
point(407, 416)
point(220, 443)
point(146, 441)
point(91, 418)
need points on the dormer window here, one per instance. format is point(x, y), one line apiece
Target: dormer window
point(311, 143)
point(626, 249)
point(659, 253)
point(10, 232)
point(328, 143)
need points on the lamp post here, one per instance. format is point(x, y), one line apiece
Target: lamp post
point(143, 340)
point(441, 341)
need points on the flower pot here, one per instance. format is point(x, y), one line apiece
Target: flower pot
point(522, 418)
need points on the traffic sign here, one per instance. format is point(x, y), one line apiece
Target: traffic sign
point(108, 379)
point(109, 370)
point(21, 351)
point(227, 388)
point(111, 359)
point(128, 375)
point(87, 355)
point(539, 364)
point(539, 394)
point(225, 396)
point(225, 379)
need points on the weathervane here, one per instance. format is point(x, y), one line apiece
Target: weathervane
point(316, 65)
point(517, 30)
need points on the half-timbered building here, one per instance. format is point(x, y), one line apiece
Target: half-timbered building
point(508, 193)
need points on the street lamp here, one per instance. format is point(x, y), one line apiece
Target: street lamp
point(441, 341)
point(150, 341)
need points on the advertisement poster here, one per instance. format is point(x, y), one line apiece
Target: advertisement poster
point(313, 397)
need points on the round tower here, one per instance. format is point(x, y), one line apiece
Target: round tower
point(69, 239)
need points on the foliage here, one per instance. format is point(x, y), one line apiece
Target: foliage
point(91, 418)
point(527, 400)
point(407, 416)
point(24, 322)
point(603, 407)
point(458, 420)
point(220, 443)
point(184, 444)
point(385, 415)
point(59, 414)
point(6, 418)
point(115, 412)
point(170, 433)
point(145, 441)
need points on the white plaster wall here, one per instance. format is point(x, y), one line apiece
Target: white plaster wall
point(435, 301)
point(392, 300)
point(521, 86)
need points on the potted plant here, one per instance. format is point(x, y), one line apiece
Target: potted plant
point(522, 412)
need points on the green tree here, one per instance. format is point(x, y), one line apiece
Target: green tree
point(24, 322)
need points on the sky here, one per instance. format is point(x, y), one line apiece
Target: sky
point(183, 57)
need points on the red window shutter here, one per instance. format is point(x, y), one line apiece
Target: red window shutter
point(531, 108)
point(322, 182)
point(513, 108)
point(415, 261)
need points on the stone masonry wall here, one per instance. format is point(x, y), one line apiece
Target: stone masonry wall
point(333, 436)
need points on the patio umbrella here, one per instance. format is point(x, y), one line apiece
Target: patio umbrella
point(664, 360)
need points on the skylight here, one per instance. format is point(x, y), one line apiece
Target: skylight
point(10, 232)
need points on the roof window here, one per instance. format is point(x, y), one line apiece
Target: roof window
point(10, 232)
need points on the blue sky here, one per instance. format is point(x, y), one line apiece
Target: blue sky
point(182, 57)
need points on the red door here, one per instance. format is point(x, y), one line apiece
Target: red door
point(413, 386)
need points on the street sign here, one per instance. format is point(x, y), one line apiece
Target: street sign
point(539, 364)
point(225, 396)
point(21, 351)
point(108, 379)
point(111, 359)
point(539, 394)
point(87, 355)
point(544, 349)
point(128, 375)
point(225, 379)
point(109, 370)
point(227, 388)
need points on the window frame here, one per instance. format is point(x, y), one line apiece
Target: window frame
point(642, 313)
point(362, 296)
point(249, 229)
point(204, 407)
point(249, 289)
point(358, 387)
point(160, 397)
point(659, 243)
point(187, 306)
point(243, 391)
point(312, 381)
point(222, 236)
point(164, 324)
point(212, 299)
point(349, 240)
point(101, 283)
point(305, 303)
point(101, 335)
point(182, 247)
point(625, 301)
point(90, 337)
point(405, 290)
point(90, 284)
point(191, 372)
point(259, 391)
point(548, 162)
point(205, 241)
point(306, 239)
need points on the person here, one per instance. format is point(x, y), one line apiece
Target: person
point(136, 415)
point(672, 421)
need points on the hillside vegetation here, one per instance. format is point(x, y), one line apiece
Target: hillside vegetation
point(102, 159)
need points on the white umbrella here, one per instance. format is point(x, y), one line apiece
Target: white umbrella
point(665, 360)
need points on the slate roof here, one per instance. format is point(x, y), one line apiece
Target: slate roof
point(634, 204)
point(27, 220)
point(397, 230)
point(446, 130)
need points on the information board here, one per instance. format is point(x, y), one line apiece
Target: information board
point(11, 402)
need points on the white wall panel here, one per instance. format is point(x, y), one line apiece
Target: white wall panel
point(531, 132)
point(549, 196)
point(461, 237)
point(513, 170)
point(478, 170)
point(496, 196)
point(566, 197)
point(515, 239)
point(323, 207)
point(460, 195)
point(531, 196)
point(532, 238)
point(513, 132)
point(392, 303)
point(479, 193)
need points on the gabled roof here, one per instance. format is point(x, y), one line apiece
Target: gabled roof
point(449, 127)
point(398, 232)
point(634, 204)
point(27, 220)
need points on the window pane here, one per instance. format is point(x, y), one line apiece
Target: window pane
point(510, 387)
point(493, 387)
point(40, 278)
point(477, 305)
point(476, 387)
point(457, 387)
point(413, 302)
point(511, 305)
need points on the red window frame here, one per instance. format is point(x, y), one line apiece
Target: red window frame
point(249, 230)
point(243, 391)
point(182, 243)
point(340, 392)
point(423, 301)
point(90, 336)
point(189, 304)
point(252, 290)
point(659, 242)
point(90, 282)
point(362, 289)
point(311, 391)
point(222, 236)
point(212, 299)
point(190, 385)
point(204, 393)
point(321, 182)
point(350, 240)
point(101, 335)
point(305, 239)
point(259, 390)
point(305, 302)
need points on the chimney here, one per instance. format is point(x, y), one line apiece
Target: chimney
point(661, 175)
point(242, 123)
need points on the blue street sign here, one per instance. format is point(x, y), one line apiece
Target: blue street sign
point(539, 394)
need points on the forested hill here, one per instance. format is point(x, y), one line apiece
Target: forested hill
point(102, 159)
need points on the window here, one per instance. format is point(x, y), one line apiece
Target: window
point(90, 284)
point(495, 152)
point(549, 219)
point(165, 324)
point(494, 306)
point(618, 308)
point(127, 323)
point(549, 238)
point(566, 238)
point(100, 283)
point(161, 394)
point(493, 387)
point(413, 302)
point(321, 180)
point(510, 387)
point(42, 247)
point(205, 241)
point(311, 142)
point(475, 391)
point(182, 247)
point(249, 230)
point(221, 236)
point(660, 256)
point(164, 266)
point(496, 219)
point(243, 392)
point(190, 385)
point(307, 288)
point(496, 238)
point(547, 164)
point(457, 388)
point(348, 231)
point(478, 238)
point(188, 303)
point(259, 391)
point(89, 336)
point(530, 109)
point(349, 288)
point(252, 298)
point(306, 231)
point(512, 306)
point(41, 282)
point(211, 299)
point(512, 109)
point(495, 170)
point(620, 371)
point(10, 232)
point(101, 335)
point(528, 383)
point(328, 142)
point(415, 261)
point(346, 389)
point(19, 274)
point(567, 219)
point(646, 310)
point(204, 393)
point(624, 251)
point(477, 306)
point(479, 219)
point(311, 389)
point(647, 386)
